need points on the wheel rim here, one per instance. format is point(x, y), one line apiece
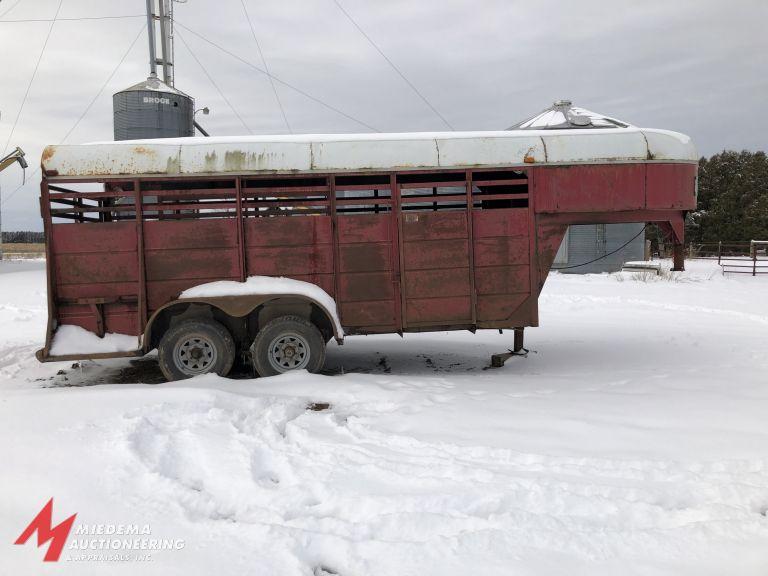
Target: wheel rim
point(195, 355)
point(288, 351)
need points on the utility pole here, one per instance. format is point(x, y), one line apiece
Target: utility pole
point(160, 15)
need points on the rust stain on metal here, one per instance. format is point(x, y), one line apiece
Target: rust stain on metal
point(211, 162)
point(48, 152)
point(235, 160)
point(173, 166)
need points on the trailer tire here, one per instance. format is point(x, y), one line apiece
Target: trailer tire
point(194, 347)
point(288, 343)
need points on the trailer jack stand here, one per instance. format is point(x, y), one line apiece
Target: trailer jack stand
point(498, 360)
point(678, 258)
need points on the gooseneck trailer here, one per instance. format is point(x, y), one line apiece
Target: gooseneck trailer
point(270, 246)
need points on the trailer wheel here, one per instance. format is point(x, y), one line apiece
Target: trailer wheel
point(288, 343)
point(195, 347)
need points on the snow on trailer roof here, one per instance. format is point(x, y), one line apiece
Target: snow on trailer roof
point(360, 152)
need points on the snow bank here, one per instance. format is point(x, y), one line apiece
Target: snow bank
point(272, 286)
point(69, 339)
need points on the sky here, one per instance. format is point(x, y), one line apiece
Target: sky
point(695, 66)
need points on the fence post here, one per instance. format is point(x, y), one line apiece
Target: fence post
point(754, 262)
point(719, 250)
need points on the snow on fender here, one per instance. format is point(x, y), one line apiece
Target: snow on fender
point(266, 286)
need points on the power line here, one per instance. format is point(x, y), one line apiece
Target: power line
point(73, 19)
point(90, 104)
point(106, 82)
point(34, 73)
point(392, 64)
point(278, 80)
point(264, 62)
point(9, 9)
point(199, 63)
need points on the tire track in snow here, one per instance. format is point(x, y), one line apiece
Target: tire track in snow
point(14, 358)
point(269, 462)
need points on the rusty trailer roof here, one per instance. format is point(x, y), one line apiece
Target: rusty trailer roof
point(306, 153)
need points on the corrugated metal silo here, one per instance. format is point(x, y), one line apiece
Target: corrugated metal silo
point(152, 109)
point(587, 242)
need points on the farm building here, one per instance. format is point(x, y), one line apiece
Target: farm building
point(590, 242)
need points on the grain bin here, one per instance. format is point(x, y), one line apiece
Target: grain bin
point(152, 109)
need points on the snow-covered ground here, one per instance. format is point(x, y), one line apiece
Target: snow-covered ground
point(633, 439)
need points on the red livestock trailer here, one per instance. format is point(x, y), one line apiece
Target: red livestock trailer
point(269, 246)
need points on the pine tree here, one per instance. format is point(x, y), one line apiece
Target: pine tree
point(733, 198)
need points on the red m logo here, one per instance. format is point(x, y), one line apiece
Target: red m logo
point(42, 525)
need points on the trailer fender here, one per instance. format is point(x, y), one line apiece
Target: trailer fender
point(237, 307)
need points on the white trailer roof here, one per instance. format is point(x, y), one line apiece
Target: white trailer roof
point(358, 152)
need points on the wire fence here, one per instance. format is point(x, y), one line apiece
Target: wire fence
point(734, 257)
